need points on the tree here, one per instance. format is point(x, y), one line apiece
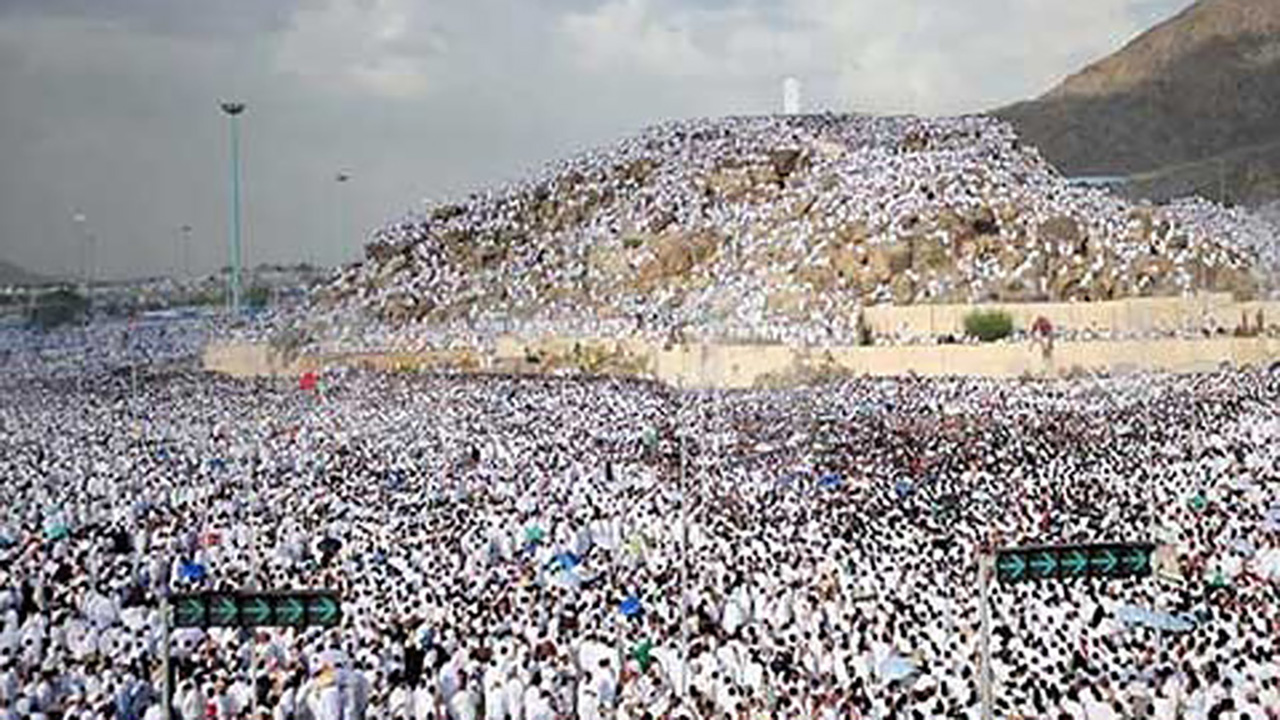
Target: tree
point(258, 296)
point(59, 307)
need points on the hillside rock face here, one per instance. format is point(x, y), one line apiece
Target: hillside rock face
point(1192, 105)
point(741, 226)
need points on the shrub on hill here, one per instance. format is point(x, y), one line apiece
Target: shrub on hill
point(988, 325)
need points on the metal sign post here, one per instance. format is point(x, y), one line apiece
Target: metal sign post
point(984, 601)
point(166, 683)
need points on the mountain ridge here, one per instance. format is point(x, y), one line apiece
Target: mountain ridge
point(1193, 90)
point(11, 274)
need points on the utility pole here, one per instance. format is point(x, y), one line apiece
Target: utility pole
point(684, 553)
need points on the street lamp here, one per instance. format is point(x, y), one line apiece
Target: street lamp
point(185, 250)
point(342, 178)
point(233, 111)
point(86, 237)
point(87, 241)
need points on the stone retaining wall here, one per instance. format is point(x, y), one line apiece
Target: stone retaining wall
point(746, 366)
point(749, 365)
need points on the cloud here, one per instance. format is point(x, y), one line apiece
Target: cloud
point(179, 17)
point(437, 98)
point(928, 56)
point(634, 34)
point(381, 47)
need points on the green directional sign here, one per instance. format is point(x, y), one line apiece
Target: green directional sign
point(1104, 561)
point(223, 610)
point(255, 610)
point(1074, 563)
point(291, 610)
point(1069, 562)
point(1044, 565)
point(247, 609)
point(190, 611)
point(322, 610)
point(1136, 561)
point(1011, 567)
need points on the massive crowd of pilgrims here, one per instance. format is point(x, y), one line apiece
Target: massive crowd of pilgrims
point(516, 548)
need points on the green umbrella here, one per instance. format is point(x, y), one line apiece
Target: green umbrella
point(56, 532)
point(1199, 502)
point(643, 654)
point(534, 534)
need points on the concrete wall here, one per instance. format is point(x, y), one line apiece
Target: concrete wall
point(742, 366)
point(745, 366)
point(1136, 315)
point(246, 360)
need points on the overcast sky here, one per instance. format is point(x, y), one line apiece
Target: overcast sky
point(109, 107)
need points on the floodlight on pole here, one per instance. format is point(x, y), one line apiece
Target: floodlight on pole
point(185, 250)
point(86, 237)
point(342, 178)
point(86, 240)
point(233, 111)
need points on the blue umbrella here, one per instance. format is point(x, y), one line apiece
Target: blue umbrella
point(1272, 521)
point(902, 489)
point(192, 571)
point(896, 667)
point(631, 607)
point(565, 560)
point(831, 481)
point(1134, 615)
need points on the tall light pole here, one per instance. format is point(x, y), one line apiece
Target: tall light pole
point(233, 111)
point(86, 237)
point(184, 251)
point(342, 178)
point(86, 240)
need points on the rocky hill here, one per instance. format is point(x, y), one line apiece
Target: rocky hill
point(1190, 106)
point(762, 226)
